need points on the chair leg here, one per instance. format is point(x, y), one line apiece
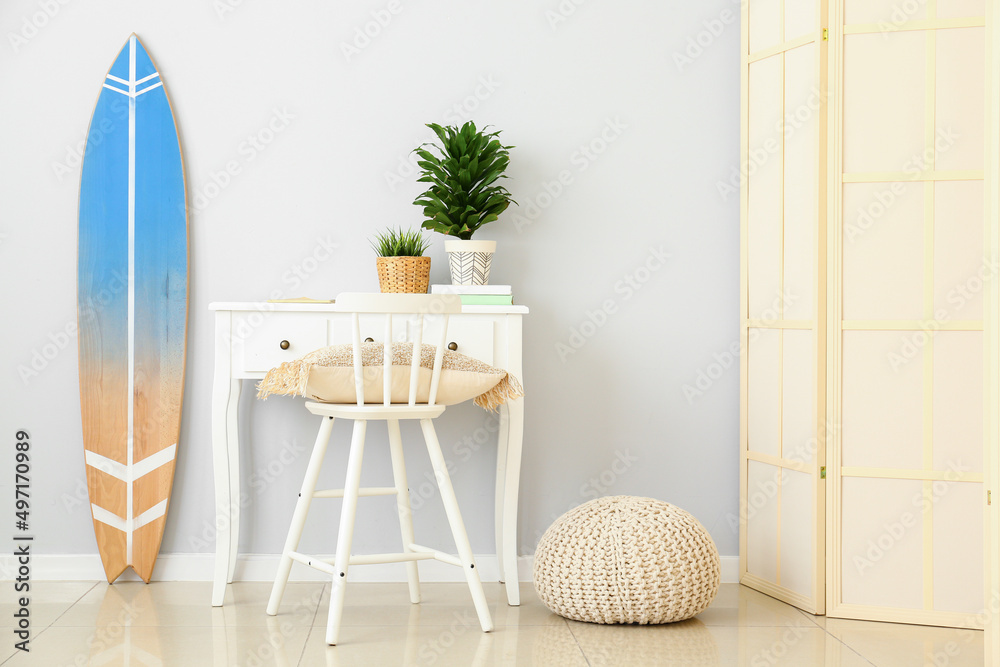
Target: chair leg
point(346, 534)
point(457, 526)
point(403, 505)
point(299, 516)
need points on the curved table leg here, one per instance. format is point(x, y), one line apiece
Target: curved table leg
point(503, 437)
point(512, 482)
point(221, 396)
point(233, 453)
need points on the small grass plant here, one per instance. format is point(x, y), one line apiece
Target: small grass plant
point(399, 243)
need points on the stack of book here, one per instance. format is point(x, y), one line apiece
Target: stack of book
point(478, 295)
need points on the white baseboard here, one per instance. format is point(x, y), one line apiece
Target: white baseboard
point(261, 567)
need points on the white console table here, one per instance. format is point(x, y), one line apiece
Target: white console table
point(251, 338)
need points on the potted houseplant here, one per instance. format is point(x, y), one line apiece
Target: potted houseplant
point(463, 170)
point(400, 260)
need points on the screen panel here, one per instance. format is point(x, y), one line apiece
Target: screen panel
point(783, 321)
point(907, 363)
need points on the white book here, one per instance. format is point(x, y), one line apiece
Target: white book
point(471, 289)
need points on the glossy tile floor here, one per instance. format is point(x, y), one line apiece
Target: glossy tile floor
point(172, 624)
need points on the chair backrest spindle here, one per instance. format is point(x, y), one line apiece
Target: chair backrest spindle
point(418, 337)
point(359, 374)
point(387, 361)
point(438, 361)
point(417, 305)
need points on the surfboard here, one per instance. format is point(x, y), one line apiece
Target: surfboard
point(132, 287)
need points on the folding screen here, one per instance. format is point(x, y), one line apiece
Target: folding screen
point(866, 284)
point(906, 347)
point(783, 300)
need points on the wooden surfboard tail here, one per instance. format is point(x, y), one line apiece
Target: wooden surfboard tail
point(132, 291)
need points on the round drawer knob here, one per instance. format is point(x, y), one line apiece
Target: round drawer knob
point(369, 340)
point(453, 346)
point(284, 345)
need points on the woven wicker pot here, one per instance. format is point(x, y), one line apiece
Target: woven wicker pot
point(624, 559)
point(470, 261)
point(403, 274)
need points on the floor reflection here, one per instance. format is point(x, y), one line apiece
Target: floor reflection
point(114, 641)
point(172, 624)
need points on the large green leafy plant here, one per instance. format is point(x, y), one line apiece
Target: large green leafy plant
point(463, 172)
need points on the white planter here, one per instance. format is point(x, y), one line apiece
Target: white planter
point(470, 261)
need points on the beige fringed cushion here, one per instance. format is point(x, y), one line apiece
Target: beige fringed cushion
point(624, 559)
point(327, 375)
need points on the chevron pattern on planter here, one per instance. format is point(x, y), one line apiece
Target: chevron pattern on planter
point(470, 268)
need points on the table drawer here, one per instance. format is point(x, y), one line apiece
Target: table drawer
point(280, 338)
point(372, 326)
point(474, 336)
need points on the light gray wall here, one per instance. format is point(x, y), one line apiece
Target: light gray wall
point(651, 87)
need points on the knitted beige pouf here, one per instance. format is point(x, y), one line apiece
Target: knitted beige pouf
point(624, 559)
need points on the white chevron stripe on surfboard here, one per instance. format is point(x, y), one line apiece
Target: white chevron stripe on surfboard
point(129, 525)
point(139, 469)
point(132, 88)
point(117, 90)
point(149, 88)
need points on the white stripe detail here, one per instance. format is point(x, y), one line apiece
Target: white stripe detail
point(145, 78)
point(139, 470)
point(110, 654)
point(154, 461)
point(104, 464)
point(150, 515)
point(149, 88)
point(131, 298)
point(116, 79)
point(107, 518)
point(129, 525)
point(117, 90)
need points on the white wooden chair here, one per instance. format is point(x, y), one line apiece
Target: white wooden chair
point(413, 307)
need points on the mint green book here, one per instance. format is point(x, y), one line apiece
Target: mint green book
point(487, 299)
